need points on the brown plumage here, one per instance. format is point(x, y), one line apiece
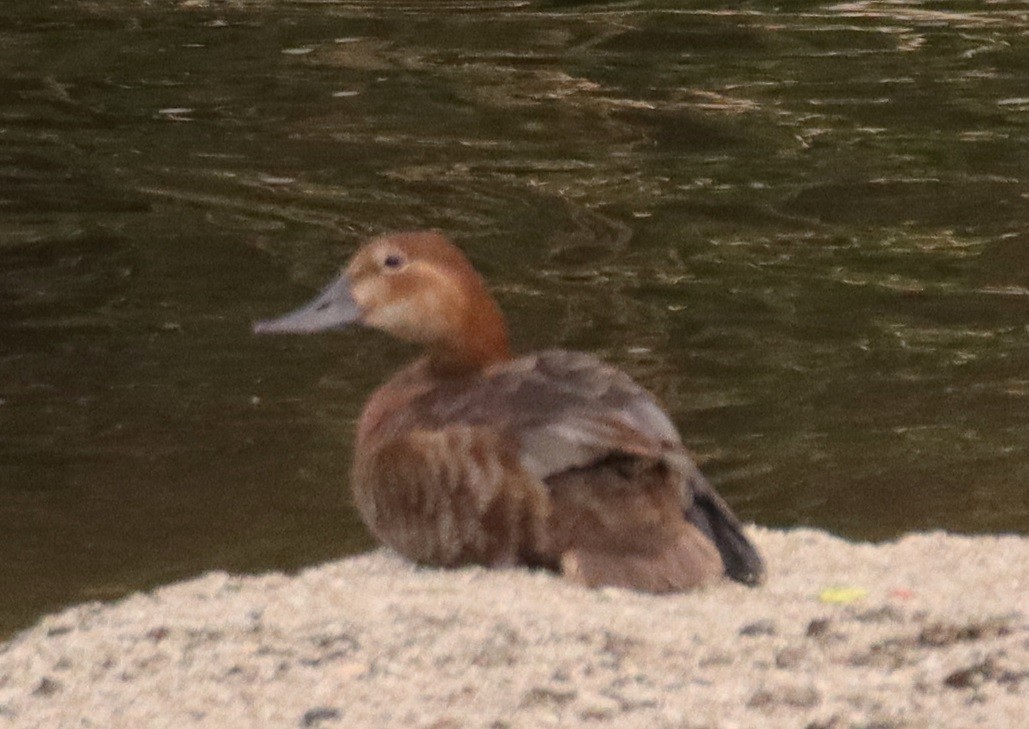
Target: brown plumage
point(556, 460)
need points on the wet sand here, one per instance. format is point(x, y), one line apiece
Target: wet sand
point(928, 631)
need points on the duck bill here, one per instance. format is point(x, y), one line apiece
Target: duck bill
point(333, 308)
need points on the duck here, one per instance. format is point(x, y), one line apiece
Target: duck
point(471, 455)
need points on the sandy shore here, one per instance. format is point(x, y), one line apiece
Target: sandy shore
point(931, 631)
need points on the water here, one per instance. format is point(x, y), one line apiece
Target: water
point(805, 229)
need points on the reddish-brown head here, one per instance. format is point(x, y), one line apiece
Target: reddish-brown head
point(418, 287)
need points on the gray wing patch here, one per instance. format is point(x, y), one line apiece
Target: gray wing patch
point(578, 442)
point(556, 410)
point(594, 411)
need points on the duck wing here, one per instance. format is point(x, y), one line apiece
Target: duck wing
point(628, 506)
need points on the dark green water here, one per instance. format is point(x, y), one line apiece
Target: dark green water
point(805, 226)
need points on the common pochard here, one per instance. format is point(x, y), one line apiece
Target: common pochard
point(554, 460)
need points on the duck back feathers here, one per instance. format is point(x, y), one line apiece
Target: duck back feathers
point(554, 459)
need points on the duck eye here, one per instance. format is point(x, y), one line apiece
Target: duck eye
point(393, 261)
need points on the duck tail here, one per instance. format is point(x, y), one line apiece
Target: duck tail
point(712, 516)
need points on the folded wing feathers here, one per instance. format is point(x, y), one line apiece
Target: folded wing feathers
point(577, 442)
point(562, 410)
point(606, 413)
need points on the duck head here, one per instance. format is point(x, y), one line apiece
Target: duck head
point(418, 287)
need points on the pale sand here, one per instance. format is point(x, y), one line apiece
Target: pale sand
point(940, 640)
